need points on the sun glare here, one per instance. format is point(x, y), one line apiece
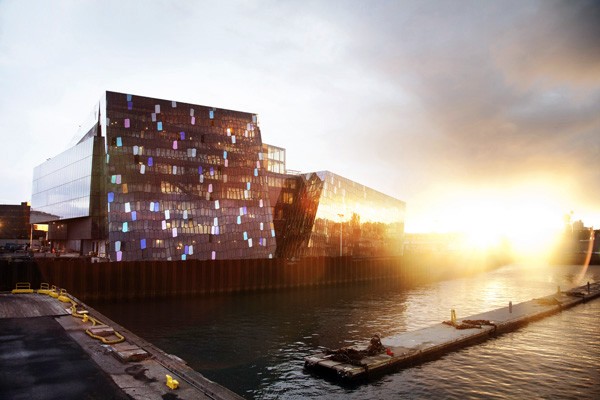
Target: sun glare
point(530, 221)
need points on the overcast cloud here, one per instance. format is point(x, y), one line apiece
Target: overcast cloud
point(414, 98)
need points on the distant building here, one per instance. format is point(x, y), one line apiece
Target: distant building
point(584, 239)
point(15, 227)
point(14, 221)
point(578, 226)
point(433, 242)
point(158, 179)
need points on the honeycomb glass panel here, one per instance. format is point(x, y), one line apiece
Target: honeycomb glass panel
point(184, 161)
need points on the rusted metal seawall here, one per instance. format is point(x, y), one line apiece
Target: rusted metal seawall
point(149, 279)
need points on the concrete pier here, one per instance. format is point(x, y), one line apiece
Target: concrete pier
point(48, 353)
point(418, 346)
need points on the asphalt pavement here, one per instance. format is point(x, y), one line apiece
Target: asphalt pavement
point(40, 361)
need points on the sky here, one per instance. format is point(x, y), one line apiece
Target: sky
point(465, 110)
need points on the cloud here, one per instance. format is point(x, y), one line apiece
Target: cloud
point(497, 89)
point(489, 94)
point(401, 96)
point(557, 42)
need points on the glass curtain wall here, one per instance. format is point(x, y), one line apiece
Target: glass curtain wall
point(185, 181)
point(295, 199)
point(274, 158)
point(353, 219)
point(61, 185)
point(324, 214)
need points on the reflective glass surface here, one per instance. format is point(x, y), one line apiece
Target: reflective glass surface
point(324, 214)
point(61, 185)
point(185, 181)
point(175, 181)
point(274, 158)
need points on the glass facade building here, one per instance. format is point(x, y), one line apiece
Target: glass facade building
point(185, 181)
point(274, 158)
point(160, 179)
point(68, 195)
point(61, 186)
point(324, 214)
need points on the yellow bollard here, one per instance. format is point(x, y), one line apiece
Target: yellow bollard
point(53, 292)
point(62, 296)
point(453, 316)
point(172, 383)
point(22, 287)
point(44, 289)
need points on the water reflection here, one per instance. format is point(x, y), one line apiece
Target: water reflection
point(254, 343)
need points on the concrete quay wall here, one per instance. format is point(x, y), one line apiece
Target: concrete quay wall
point(151, 279)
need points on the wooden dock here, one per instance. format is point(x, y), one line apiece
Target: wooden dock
point(418, 346)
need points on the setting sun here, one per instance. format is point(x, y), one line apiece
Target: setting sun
point(528, 217)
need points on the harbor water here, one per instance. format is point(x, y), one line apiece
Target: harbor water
point(254, 343)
